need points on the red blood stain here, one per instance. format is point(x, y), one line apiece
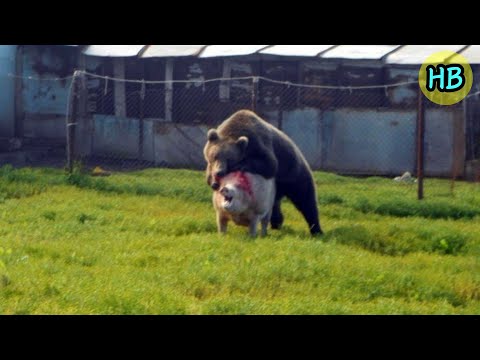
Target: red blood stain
point(243, 182)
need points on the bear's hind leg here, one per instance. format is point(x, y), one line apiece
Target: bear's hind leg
point(276, 220)
point(304, 199)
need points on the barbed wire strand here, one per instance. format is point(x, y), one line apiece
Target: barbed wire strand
point(252, 78)
point(40, 78)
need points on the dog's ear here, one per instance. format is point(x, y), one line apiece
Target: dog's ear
point(212, 135)
point(242, 143)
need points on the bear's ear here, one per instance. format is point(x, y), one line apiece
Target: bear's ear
point(212, 135)
point(242, 142)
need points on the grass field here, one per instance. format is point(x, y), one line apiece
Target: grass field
point(145, 242)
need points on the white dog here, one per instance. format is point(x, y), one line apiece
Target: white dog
point(245, 198)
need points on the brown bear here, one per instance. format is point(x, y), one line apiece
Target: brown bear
point(245, 142)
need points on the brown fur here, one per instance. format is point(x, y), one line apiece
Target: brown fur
point(268, 152)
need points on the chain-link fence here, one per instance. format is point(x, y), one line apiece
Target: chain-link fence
point(382, 130)
point(354, 130)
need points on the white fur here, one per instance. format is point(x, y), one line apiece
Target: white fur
point(244, 209)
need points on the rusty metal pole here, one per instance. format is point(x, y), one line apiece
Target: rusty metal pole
point(454, 162)
point(71, 122)
point(459, 132)
point(141, 121)
point(420, 143)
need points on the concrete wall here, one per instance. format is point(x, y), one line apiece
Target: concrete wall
point(7, 90)
point(405, 95)
point(365, 141)
point(304, 127)
point(439, 142)
point(107, 135)
point(369, 141)
point(44, 99)
point(180, 145)
point(165, 144)
point(350, 141)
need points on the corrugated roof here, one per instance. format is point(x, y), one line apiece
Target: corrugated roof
point(367, 52)
point(295, 50)
point(230, 50)
point(416, 54)
point(172, 50)
point(472, 54)
point(391, 54)
point(113, 50)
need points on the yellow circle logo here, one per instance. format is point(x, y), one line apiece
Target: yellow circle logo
point(445, 77)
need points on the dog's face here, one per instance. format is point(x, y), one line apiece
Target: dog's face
point(234, 199)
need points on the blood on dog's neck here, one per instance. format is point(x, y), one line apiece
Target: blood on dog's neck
point(243, 182)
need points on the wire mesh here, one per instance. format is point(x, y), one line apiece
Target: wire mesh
point(340, 126)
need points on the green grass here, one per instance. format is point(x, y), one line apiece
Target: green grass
point(145, 242)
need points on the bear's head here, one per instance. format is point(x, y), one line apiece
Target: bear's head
point(221, 154)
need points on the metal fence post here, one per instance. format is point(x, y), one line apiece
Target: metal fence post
point(72, 121)
point(459, 143)
point(254, 93)
point(141, 121)
point(420, 143)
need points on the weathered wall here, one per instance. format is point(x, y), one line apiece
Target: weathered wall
point(369, 141)
point(350, 141)
point(7, 90)
point(115, 138)
point(179, 145)
point(304, 127)
point(45, 100)
point(405, 95)
point(365, 141)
